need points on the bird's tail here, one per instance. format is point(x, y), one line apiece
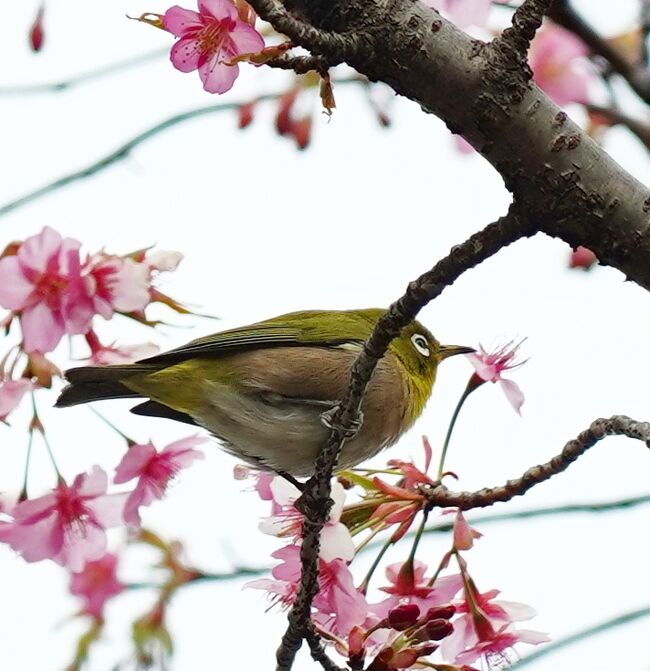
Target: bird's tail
point(98, 383)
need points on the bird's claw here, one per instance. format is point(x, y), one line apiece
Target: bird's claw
point(330, 420)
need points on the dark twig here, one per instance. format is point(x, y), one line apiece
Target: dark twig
point(525, 22)
point(299, 64)
point(640, 128)
point(319, 42)
point(618, 425)
point(317, 650)
point(315, 502)
point(637, 76)
point(84, 77)
point(579, 636)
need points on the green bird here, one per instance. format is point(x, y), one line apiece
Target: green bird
point(265, 390)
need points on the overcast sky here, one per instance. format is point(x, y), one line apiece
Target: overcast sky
point(266, 229)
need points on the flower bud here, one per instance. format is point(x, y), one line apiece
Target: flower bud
point(581, 257)
point(444, 612)
point(36, 34)
point(404, 616)
point(438, 629)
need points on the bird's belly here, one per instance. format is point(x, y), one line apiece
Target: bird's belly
point(282, 436)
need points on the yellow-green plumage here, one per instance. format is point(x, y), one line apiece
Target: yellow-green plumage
point(261, 389)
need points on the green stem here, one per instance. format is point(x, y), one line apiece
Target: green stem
point(129, 441)
point(418, 535)
point(37, 425)
point(363, 587)
point(468, 390)
point(23, 492)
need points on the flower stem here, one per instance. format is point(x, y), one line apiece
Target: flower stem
point(472, 384)
point(129, 441)
point(23, 492)
point(37, 425)
point(418, 535)
point(363, 587)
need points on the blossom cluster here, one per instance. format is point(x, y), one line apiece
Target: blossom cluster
point(51, 289)
point(68, 524)
point(416, 612)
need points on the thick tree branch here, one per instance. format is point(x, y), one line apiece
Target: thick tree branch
point(570, 186)
point(299, 64)
point(315, 502)
point(618, 425)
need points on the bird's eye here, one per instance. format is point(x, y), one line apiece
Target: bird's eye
point(420, 343)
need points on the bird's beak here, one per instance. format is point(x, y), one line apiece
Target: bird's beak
point(445, 351)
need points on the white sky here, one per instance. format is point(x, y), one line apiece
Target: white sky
point(348, 223)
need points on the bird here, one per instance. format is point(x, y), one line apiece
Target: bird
point(267, 390)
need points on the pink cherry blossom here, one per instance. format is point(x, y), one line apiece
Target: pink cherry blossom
point(154, 471)
point(209, 39)
point(463, 13)
point(484, 625)
point(495, 648)
point(67, 525)
point(409, 585)
point(490, 365)
point(96, 583)
point(116, 284)
point(557, 59)
point(339, 605)
point(11, 394)
point(43, 283)
point(335, 540)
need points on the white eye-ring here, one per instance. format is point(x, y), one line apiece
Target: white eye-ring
point(420, 343)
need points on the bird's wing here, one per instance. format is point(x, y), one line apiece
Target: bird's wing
point(292, 331)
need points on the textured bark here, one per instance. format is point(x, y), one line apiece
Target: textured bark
point(570, 186)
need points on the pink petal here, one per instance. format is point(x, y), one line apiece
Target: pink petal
point(183, 451)
point(163, 261)
point(336, 543)
point(42, 328)
point(338, 497)
point(36, 251)
point(11, 393)
point(513, 393)
point(130, 284)
point(185, 54)
point(532, 637)
point(218, 77)
point(134, 462)
point(246, 39)
point(91, 484)
point(178, 21)
point(131, 513)
point(15, 288)
point(32, 510)
point(41, 540)
point(84, 544)
point(517, 612)
point(283, 491)
point(220, 9)
point(109, 509)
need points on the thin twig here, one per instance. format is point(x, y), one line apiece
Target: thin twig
point(526, 20)
point(299, 64)
point(594, 507)
point(618, 425)
point(315, 503)
point(84, 77)
point(636, 76)
point(123, 151)
point(581, 635)
point(636, 126)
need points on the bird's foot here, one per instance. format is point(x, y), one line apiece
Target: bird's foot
point(329, 419)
